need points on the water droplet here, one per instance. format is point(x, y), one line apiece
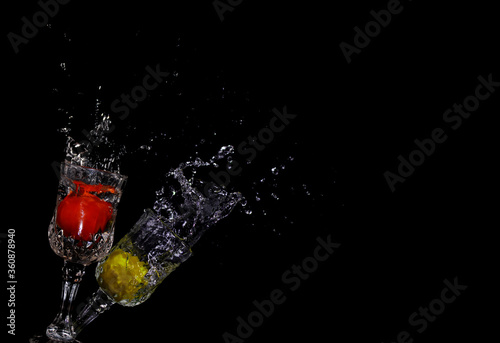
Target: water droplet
point(304, 186)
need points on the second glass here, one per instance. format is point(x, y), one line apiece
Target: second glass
point(135, 267)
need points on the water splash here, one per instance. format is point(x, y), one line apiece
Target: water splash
point(97, 150)
point(191, 205)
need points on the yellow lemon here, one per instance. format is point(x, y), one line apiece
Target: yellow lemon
point(122, 275)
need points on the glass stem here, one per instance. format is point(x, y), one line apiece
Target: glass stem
point(97, 304)
point(62, 328)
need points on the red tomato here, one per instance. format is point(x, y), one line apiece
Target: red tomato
point(81, 216)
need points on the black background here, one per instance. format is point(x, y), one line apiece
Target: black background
point(353, 121)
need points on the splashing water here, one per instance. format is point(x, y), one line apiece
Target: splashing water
point(191, 205)
point(189, 202)
point(98, 151)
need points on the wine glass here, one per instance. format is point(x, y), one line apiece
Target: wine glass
point(135, 267)
point(81, 231)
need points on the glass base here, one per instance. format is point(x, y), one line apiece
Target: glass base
point(44, 339)
point(60, 334)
